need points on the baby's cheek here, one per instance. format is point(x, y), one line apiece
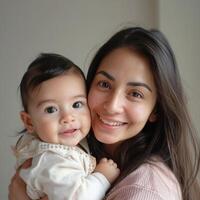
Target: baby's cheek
point(44, 125)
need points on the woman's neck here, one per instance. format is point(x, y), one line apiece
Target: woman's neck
point(111, 149)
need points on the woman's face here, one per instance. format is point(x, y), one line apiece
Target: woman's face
point(122, 97)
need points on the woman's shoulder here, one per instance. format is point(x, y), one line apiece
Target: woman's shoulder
point(154, 171)
point(152, 180)
point(157, 176)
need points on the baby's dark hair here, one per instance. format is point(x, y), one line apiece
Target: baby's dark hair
point(46, 66)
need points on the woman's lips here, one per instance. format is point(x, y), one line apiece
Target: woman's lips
point(110, 123)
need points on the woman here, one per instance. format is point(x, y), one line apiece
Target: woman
point(140, 119)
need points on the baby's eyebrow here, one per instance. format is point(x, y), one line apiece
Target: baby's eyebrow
point(106, 75)
point(82, 96)
point(45, 101)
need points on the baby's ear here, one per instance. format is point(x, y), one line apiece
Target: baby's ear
point(26, 119)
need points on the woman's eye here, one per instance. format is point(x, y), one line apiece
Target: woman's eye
point(50, 109)
point(103, 84)
point(77, 104)
point(136, 94)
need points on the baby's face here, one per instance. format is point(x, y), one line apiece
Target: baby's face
point(58, 111)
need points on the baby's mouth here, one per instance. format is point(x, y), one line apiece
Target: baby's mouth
point(68, 132)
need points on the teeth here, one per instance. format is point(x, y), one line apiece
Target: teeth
point(111, 123)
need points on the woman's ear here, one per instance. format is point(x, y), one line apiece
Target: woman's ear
point(26, 119)
point(153, 116)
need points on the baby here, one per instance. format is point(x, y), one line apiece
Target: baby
point(57, 119)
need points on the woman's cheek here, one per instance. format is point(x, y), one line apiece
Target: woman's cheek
point(138, 113)
point(93, 100)
point(90, 99)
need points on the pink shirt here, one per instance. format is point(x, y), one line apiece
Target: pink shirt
point(153, 181)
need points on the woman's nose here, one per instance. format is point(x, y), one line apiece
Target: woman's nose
point(115, 103)
point(67, 117)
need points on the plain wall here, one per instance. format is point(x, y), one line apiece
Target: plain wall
point(74, 28)
point(180, 21)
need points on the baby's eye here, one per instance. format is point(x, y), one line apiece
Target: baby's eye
point(51, 109)
point(77, 104)
point(104, 84)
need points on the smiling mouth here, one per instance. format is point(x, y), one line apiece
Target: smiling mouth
point(69, 132)
point(111, 122)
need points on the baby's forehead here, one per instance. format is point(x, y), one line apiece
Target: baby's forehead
point(65, 87)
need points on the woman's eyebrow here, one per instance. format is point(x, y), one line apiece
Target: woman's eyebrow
point(129, 83)
point(106, 75)
point(139, 84)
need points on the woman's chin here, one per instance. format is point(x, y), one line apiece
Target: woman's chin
point(106, 139)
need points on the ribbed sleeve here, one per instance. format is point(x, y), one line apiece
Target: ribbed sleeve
point(134, 193)
point(151, 181)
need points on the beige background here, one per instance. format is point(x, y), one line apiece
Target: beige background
point(76, 28)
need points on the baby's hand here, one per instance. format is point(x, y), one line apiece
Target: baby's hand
point(108, 168)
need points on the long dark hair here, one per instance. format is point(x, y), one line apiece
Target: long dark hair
point(172, 136)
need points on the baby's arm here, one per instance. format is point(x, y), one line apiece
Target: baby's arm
point(108, 168)
point(61, 178)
